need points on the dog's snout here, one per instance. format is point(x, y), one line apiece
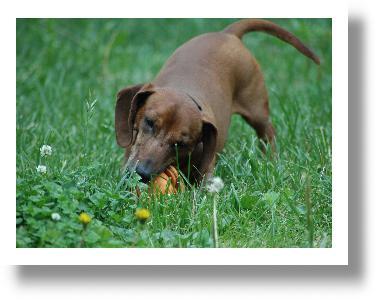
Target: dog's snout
point(144, 169)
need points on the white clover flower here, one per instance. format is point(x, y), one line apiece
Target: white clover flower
point(45, 150)
point(214, 185)
point(41, 169)
point(55, 216)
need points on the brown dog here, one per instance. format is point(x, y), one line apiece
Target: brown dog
point(184, 113)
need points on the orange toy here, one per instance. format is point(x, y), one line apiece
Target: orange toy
point(167, 182)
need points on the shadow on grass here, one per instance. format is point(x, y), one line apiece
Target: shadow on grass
point(284, 274)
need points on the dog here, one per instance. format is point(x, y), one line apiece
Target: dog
point(183, 115)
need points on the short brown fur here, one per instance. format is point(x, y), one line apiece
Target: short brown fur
point(213, 71)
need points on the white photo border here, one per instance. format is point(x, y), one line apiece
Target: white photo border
point(337, 255)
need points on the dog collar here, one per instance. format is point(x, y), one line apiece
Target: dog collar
point(196, 103)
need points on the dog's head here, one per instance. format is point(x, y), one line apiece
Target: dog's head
point(159, 126)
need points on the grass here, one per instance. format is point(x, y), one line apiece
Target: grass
point(68, 73)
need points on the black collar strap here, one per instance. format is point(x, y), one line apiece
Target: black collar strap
point(196, 103)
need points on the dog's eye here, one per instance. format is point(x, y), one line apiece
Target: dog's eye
point(149, 123)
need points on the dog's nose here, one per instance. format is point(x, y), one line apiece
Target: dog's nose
point(144, 171)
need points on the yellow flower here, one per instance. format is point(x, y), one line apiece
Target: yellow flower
point(142, 214)
point(84, 218)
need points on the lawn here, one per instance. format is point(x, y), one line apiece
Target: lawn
point(68, 73)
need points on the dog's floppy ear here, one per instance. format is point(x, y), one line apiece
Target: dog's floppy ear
point(125, 111)
point(137, 102)
point(209, 137)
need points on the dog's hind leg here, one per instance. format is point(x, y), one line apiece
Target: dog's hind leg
point(252, 104)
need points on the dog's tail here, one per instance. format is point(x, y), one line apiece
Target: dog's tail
point(242, 27)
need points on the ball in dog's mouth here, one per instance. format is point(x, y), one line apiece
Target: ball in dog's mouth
point(167, 182)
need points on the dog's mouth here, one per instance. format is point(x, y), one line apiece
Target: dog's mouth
point(145, 179)
point(145, 176)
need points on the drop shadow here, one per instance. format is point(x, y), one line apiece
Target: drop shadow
point(357, 102)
